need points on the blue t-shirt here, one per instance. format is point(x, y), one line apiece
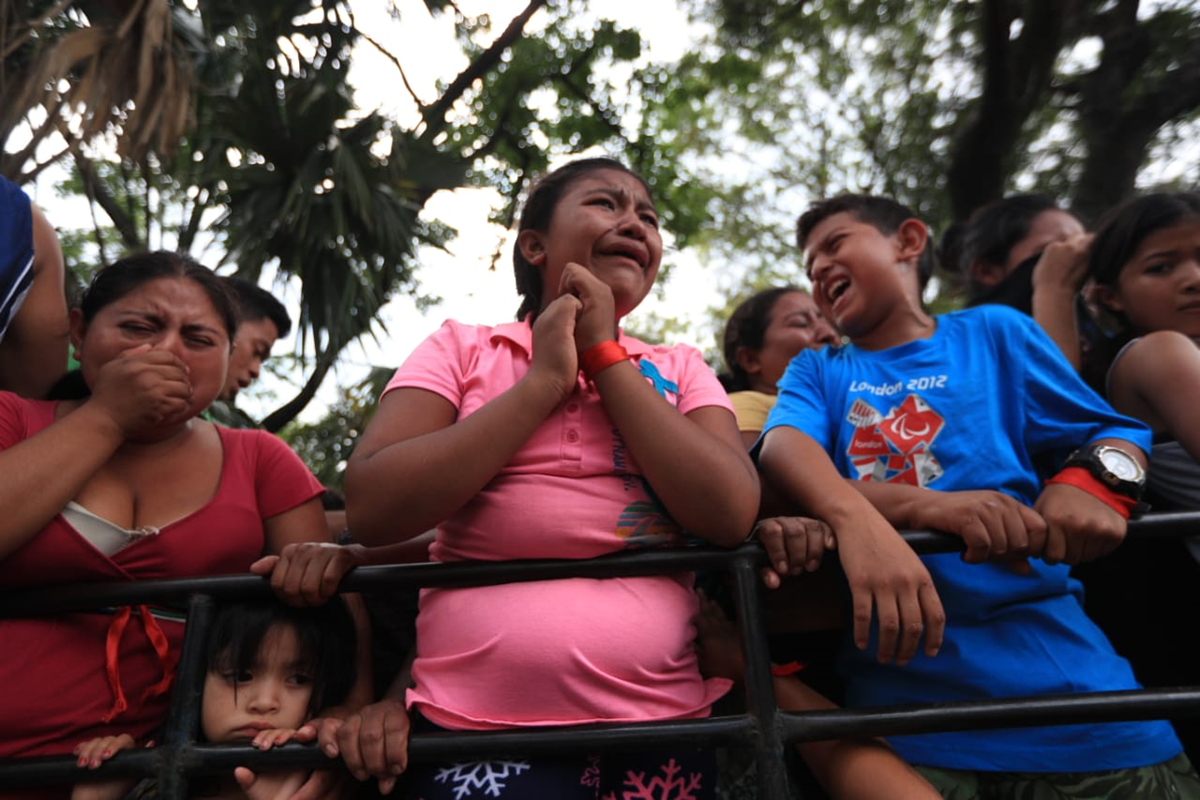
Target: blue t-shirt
point(16, 250)
point(978, 405)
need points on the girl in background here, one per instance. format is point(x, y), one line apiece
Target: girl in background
point(1026, 252)
point(1145, 265)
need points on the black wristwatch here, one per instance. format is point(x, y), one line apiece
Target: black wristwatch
point(1113, 467)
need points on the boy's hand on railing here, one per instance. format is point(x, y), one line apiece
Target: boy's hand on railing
point(994, 526)
point(308, 573)
point(793, 545)
point(887, 578)
point(373, 742)
point(1080, 527)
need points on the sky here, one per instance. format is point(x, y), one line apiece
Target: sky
point(470, 291)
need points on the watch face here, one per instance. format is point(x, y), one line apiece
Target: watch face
point(1120, 464)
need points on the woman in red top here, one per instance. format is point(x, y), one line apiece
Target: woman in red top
point(128, 484)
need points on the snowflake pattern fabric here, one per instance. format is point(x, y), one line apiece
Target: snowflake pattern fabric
point(670, 785)
point(488, 776)
point(666, 774)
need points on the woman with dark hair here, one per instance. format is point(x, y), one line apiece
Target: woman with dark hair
point(1026, 252)
point(127, 483)
point(762, 335)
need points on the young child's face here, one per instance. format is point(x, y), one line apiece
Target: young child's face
point(1159, 287)
point(855, 272)
point(606, 222)
point(273, 693)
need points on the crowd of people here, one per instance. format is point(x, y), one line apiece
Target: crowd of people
point(1032, 424)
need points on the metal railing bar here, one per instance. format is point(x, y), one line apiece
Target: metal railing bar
point(40, 602)
point(183, 715)
point(764, 727)
point(762, 710)
point(45, 770)
point(209, 759)
point(1165, 523)
point(1012, 712)
point(726, 730)
point(738, 730)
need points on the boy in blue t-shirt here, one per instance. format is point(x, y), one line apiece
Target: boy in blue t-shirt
point(941, 423)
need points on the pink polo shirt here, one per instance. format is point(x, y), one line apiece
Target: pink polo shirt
point(568, 651)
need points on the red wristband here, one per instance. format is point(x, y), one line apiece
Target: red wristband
point(600, 357)
point(790, 668)
point(1080, 478)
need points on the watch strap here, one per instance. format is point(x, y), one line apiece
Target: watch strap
point(1089, 459)
point(1082, 478)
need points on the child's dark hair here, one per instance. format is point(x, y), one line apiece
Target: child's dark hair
point(122, 277)
point(255, 303)
point(1123, 229)
point(993, 230)
point(1119, 234)
point(884, 213)
point(747, 327)
point(539, 207)
point(325, 636)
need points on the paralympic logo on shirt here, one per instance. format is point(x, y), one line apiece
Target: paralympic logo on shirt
point(895, 447)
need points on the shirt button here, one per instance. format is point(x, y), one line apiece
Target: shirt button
point(572, 436)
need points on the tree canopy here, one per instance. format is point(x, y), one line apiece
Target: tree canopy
point(237, 134)
point(230, 129)
point(944, 105)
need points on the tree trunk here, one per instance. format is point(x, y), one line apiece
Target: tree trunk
point(1123, 108)
point(1017, 75)
point(281, 416)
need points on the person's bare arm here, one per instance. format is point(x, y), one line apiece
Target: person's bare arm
point(39, 475)
point(33, 353)
point(1079, 526)
point(1057, 278)
point(851, 769)
point(1157, 380)
point(885, 576)
point(858, 769)
point(695, 462)
point(417, 463)
point(993, 525)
